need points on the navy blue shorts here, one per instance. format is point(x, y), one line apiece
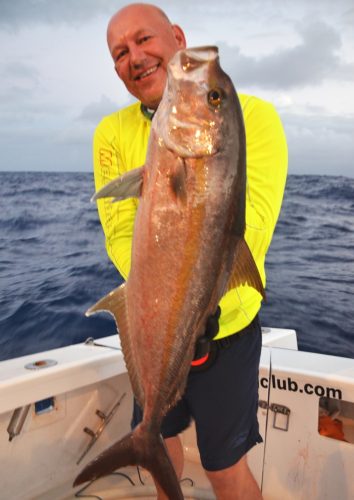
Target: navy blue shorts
point(223, 401)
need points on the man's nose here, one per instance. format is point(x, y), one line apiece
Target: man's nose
point(137, 56)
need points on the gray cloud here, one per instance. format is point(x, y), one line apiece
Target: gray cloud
point(19, 70)
point(45, 124)
point(32, 148)
point(16, 13)
point(17, 79)
point(20, 87)
point(95, 111)
point(348, 17)
point(312, 61)
point(320, 143)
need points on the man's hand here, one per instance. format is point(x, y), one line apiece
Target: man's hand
point(212, 325)
point(203, 344)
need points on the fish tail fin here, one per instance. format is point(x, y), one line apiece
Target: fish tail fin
point(158, 462)
point(139, 447)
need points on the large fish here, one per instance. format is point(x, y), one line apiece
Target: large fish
point(188, 249)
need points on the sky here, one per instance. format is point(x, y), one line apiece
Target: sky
point(57, 78)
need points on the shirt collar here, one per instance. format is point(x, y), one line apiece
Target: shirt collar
point(149, 113)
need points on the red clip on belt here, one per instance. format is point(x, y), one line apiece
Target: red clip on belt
point(200, 361)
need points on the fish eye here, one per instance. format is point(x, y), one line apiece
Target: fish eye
point(215, 97)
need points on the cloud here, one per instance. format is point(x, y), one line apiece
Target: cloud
point(54, 94)
point(95, 111)
point(348, 17)
point(46, 149)
point(17, 13)
point(320, 143)
point(18, 78)
point(23, 12)
point(310, 62)
point(20, 94)
point(19, 70)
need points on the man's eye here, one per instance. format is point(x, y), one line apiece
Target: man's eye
point(120, 55)
point(144, 39)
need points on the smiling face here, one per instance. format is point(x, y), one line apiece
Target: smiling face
point(142, 41)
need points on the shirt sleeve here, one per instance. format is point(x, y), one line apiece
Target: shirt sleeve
point(267, 162)
point(117, 219)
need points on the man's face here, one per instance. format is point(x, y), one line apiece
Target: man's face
point(142, 42)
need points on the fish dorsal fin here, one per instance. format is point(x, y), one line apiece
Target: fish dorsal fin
point(115, 304)
point(244, 270)
point(128, 185)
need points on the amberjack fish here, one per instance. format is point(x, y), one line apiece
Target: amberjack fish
point(188, 249)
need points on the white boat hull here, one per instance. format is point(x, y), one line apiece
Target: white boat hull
point(294, 462)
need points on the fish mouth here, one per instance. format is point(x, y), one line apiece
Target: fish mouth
point(193, 58)
point(147, 72)
point(202, 54)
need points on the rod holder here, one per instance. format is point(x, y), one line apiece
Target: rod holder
point(17, 421)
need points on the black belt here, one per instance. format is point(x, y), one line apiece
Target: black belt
point(225, 342)
point(206, 349)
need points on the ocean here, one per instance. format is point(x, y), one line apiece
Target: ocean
point(53, 263)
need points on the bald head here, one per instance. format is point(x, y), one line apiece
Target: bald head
point(138, 9)
point(142, 40)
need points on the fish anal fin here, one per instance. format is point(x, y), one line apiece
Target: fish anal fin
point(244, 270)
point(115, 304)
point(128, 185)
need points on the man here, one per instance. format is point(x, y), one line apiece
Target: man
point(223, 398)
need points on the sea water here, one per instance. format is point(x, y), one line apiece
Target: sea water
point(53, 264)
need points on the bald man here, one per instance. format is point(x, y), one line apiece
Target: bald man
point(223, 398)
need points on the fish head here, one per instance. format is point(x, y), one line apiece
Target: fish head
point(196, 116)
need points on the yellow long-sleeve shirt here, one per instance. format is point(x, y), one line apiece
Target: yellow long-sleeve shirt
point(120, 144)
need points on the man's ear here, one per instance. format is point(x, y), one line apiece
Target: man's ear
point(179, 35)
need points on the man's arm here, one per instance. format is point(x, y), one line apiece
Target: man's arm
point(117, 219)
point(267, 161)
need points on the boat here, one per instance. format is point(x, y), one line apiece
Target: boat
point(60, 408)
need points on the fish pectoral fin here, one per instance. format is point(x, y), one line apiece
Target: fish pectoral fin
point(128, 185)
point(245, 271)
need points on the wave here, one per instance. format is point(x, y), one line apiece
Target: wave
point(53, 264)
point(322, 187)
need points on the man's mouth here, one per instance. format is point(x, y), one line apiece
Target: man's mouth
point(147, 73)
